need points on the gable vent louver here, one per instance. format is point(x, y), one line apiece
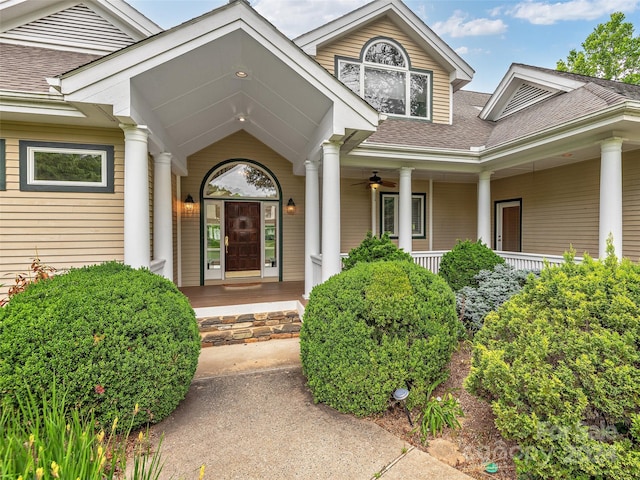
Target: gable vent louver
point(77, 26)
point(525, 96)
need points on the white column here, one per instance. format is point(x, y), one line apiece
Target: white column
point(484, 207)
point(311, 222)
point(405, 241)
point(162, 213)
point(610, 195)
point(331, 262)
point(374, 212)
point(137, 235)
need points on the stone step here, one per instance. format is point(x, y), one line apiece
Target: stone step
point(248, 327)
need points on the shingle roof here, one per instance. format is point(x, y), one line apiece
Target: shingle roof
point(25, 68)
point(467, 131)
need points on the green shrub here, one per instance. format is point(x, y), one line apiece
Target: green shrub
point(494, 288)
point(560, 364)
point(375, 328)
point(464, 261)
point(374, 249)
point(112, 336)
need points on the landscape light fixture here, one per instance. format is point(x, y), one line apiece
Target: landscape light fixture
point(400, 395)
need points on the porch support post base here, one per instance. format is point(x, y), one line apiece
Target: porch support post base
point(137, 235)
point(610, 196)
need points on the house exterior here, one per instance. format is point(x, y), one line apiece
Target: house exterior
point(221, 151)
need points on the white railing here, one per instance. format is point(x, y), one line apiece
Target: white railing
point(316, 269)
point(520, 261)
point(431, 261)
point(157, 266)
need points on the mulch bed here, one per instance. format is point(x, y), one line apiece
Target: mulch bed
point(479, 441)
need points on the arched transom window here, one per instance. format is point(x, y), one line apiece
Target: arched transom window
point(384, 78)
point(240, 180)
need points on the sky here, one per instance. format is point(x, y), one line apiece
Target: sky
point(488, 35)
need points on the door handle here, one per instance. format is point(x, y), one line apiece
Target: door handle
point(226, 244)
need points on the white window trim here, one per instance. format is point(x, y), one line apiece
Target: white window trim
point(363, 64)
point(396, 206)
point(31, 151)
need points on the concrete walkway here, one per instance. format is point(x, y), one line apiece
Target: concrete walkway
point(249, 415)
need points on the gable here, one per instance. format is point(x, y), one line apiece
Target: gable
point(77, 26)
point(350, 46)
point(85, 26)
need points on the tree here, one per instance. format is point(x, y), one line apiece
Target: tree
point(610, 52)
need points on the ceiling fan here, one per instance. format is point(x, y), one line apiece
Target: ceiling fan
point(376, 182)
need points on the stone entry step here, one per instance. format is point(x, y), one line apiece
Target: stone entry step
point(248, 327)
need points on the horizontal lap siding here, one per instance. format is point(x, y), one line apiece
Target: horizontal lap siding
point(454, 214)
point(355, 215)
point(631, 205)
point(238, 146)
point(67, 229)
point(351, 46)
point(560, 207)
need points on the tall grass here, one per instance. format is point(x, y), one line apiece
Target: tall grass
point(44, 438)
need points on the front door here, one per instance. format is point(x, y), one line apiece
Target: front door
point(242, 237)
point(508, 228)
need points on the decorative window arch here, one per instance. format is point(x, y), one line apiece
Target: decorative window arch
point(240, 179)
point(383, 77)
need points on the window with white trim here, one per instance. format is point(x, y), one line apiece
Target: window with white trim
point(389, 207)
point(384, 78)
point(65, 167)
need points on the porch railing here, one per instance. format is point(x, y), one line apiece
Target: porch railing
point(431, 260)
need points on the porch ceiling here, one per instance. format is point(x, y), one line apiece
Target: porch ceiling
point(198, 99)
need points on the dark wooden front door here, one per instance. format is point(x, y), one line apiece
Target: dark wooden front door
point(242, 228)
point(511, 229)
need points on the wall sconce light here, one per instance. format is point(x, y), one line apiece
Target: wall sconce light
point(291, 207)
point(189, 205)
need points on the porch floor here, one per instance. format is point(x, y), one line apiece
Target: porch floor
point(242, 294)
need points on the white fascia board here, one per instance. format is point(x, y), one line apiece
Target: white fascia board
point(444, 159)
point(516, 76)
point(126, 17)
point(37, 104)
point(15, 13)
point(554, 139)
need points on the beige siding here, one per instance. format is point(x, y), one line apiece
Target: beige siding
point(454, 214)
point(237, 146)
point(355, 214)
point(631, 205)
point(66, 229)
point(559, 207)
point(351, 46)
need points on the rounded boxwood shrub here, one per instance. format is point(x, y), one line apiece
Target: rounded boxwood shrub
point(109, 336)
point(560, 364)
point(375, 328)
point(464, 261)
point(375, 249)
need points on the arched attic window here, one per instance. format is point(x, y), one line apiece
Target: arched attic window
point(383, 77)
